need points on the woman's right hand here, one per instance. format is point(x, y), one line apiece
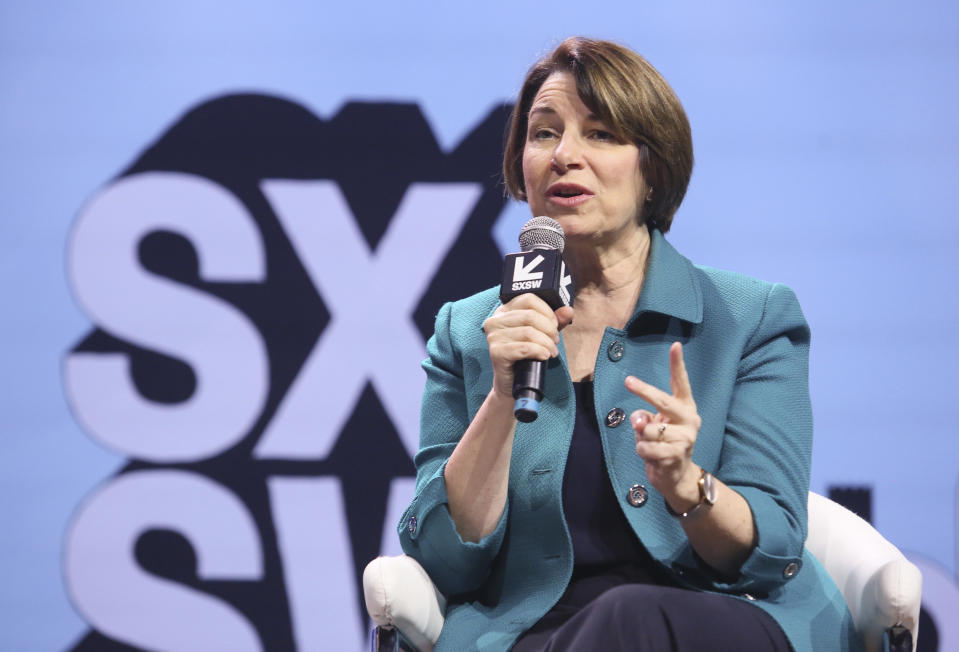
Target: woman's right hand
point(523, 328)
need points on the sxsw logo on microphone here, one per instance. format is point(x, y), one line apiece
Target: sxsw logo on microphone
point(542, 272)
point(523, 278)
point(261, 284)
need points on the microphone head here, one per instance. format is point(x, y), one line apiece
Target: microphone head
point(542, 233)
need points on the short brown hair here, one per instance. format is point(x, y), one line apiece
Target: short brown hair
point(633, 101)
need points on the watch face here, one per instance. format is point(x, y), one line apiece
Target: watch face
point(708, 487)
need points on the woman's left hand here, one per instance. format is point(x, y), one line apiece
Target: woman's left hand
point(665, 440)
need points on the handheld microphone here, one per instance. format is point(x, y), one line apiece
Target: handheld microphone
point(539, 269)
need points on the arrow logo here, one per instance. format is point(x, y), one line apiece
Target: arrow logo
point(565, 281)
point(523, 272)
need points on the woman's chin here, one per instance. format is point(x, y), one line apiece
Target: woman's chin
point(579, 225)
point(571, 222)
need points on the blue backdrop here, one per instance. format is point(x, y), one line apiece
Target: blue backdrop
point(826, 147)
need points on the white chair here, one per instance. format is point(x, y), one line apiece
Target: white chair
point(881, 587)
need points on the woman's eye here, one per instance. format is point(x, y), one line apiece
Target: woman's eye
point(604, 136)
point(541, 134)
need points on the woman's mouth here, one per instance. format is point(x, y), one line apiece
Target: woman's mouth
point(568, 194)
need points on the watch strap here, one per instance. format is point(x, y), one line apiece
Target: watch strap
point(705, 502)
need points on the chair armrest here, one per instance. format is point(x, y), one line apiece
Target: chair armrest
point(893, 597)
point(881, 587)
point(399, 594)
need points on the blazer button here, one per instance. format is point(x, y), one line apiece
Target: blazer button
point(616, 351)
point(411, 524)
point(790, 570)
point(637, 495)
point(615, 417)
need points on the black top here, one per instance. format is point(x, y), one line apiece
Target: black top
point(605, 549)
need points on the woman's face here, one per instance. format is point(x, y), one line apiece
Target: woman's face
point(575, 170)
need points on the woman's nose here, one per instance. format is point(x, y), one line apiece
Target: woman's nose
point(568, 154)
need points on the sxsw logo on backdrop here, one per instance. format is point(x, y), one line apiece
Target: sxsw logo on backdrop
point(262, 283)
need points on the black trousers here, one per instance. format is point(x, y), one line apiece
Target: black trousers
point(640, 617)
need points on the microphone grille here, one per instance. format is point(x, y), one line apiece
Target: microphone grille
point(541, 233)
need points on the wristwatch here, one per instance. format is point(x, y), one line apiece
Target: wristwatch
point(707, 498)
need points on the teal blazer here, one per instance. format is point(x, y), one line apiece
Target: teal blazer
point(746, 347)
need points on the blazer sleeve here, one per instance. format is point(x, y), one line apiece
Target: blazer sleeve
point(768, 442)
point(426, 529)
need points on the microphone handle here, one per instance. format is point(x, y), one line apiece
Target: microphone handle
point(529, 376)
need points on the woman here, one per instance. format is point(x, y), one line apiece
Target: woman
point(576, 531)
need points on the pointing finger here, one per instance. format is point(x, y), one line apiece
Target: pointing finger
point(678, 378)
point(665, 404)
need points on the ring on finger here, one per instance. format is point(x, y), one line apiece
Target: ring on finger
point(662, 429)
